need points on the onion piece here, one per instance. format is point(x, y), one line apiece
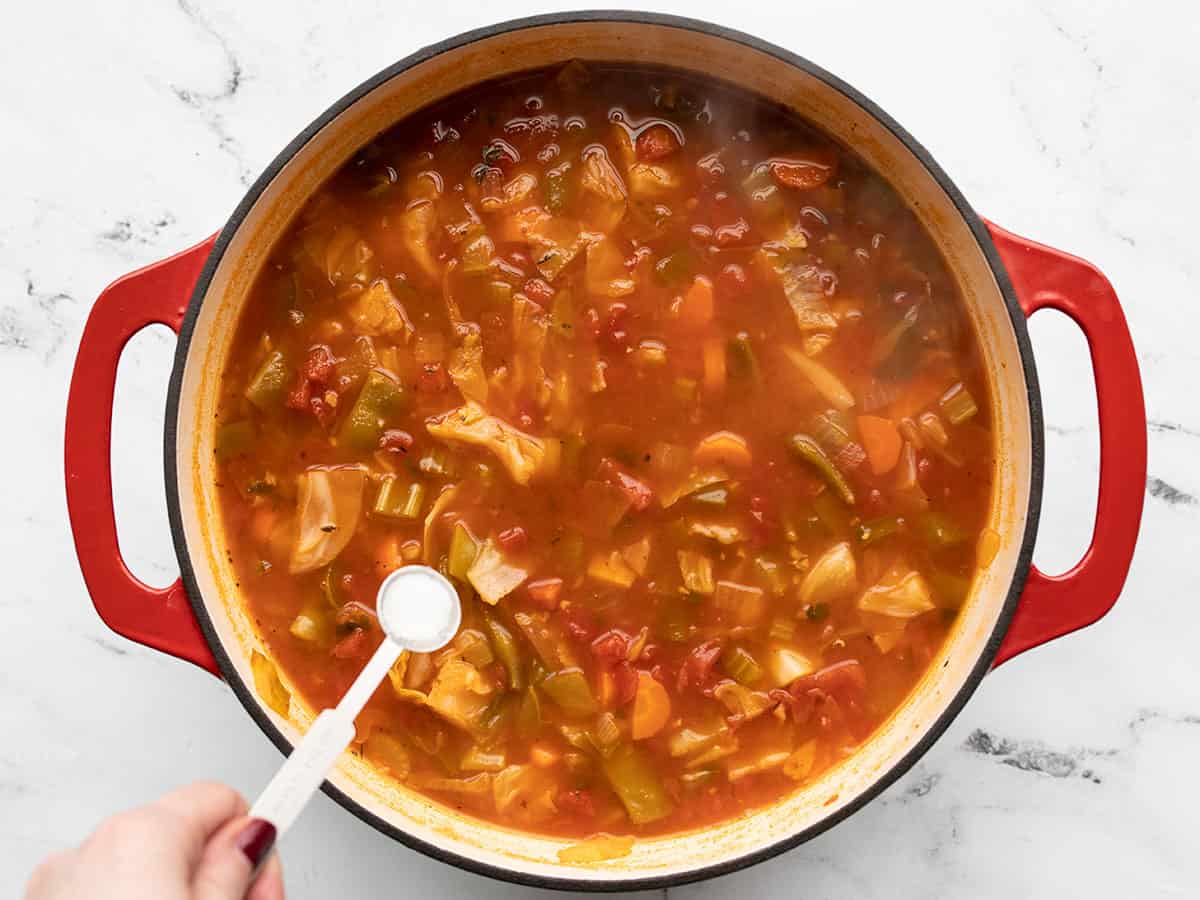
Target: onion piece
point(827, 384)
point(833, 576)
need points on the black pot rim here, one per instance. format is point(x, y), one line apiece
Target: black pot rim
point(1017, 317)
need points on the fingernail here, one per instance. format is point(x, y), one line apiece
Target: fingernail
point(256, 841)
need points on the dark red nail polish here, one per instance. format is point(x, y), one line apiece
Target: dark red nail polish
point(256, 840)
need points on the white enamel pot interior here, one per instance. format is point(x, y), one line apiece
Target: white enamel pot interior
point(445, 69)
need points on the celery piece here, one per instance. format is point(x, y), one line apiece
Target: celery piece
point(557, 190)
point(830, 514)
point(939, 531)
point(436, 461)
point(633, 777)
point(771, 574)
point(568, 552)
point(463, 550)
point(399, 501)
point(268, 385)
point(808, 450)
point(740, 665)
point(529, 714)
point(569, 688)
point(697, 571)
point(868, 533)
point(744, 602)
point(477, 254)
point(675, 620)
point(378, 402)
point(607, 733)
point(504, 644)
point(957, 404)
point(233, 439)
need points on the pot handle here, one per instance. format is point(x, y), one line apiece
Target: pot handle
point(160, 618)
point(1054, 605)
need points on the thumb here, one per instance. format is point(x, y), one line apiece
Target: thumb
point(231, 859)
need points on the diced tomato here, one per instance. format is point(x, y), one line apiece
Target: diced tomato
point(810, 170)
point(697, 667)
point(323, 411)
point(733, 281)
point(396, 441)
point(577, 803)
point(298, 397)
point(637, 492)
point(356, 615)
point(625, 677)
point(656, 142)
point(433, 378)
point(800, 707)
point(579, 624)
point(352, 646)
point(850, 457)
point(545, 592)
point(513, 538)
point(845, 678)
point(611, 647)
point(539, 291)
point(318, 366)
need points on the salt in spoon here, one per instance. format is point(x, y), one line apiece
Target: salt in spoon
point(418, 610)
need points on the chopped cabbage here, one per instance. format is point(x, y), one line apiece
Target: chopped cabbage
point(523, 455)
point(461, 695)
point(327, 513)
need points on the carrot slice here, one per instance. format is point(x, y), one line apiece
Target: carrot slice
point(881, 440)
point(696, 309)
point(722, 448)
point(651, 707)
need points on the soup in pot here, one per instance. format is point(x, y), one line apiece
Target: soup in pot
point(677, 392)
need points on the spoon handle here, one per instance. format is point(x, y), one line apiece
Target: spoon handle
point(302, 774)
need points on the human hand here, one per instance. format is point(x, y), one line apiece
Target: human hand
point(195, 843)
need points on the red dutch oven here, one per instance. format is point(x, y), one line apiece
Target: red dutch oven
point(1003, 279)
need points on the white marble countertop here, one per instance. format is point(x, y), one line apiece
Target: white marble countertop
point(131, 130)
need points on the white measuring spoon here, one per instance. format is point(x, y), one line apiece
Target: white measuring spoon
point(419, 610)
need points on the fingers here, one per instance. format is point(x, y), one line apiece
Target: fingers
point(203, 807)
point(229, 860)
point(269, 884)
point(47, 879)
